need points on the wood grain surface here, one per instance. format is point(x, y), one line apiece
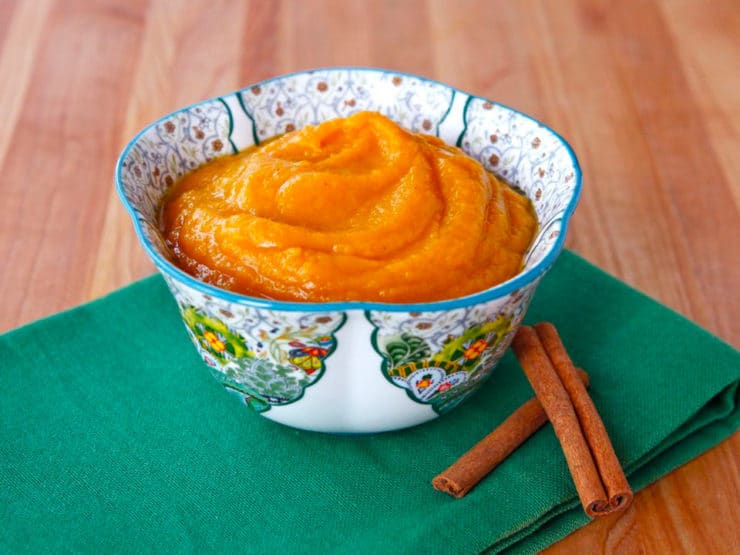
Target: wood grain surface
point(648, 93)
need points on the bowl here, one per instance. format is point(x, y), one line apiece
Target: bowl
point(352, 367)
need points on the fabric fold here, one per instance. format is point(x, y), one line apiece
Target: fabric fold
point(113, 436)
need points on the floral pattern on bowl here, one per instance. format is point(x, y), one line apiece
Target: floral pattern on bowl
point(351, 366)
point(440, 358)
point(304, 99)
point(173, 146)
point(529, 156)
point(267, 357)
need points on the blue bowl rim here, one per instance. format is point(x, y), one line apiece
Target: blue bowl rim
point(495, 292)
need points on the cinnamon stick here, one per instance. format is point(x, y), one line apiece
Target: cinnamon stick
point(488, 453)
point(559, 408)
point(617, 488)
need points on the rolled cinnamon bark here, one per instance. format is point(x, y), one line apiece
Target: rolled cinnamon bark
point(465, 473)
point(612, 475)
point(561, 413)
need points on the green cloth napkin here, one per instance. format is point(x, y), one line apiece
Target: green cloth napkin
point(114, 437)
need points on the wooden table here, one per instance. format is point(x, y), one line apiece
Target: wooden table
point(646, 92)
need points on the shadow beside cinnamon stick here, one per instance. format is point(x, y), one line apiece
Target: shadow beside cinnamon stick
point(561, 397)
point(492, 450)
point(618, 491)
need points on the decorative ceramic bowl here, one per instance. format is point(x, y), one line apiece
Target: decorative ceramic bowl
point(351, 367)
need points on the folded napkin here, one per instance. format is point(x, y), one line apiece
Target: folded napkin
point(114, 437)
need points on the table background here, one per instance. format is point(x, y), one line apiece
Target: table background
point(648, 94)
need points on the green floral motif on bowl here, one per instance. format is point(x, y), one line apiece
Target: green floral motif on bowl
point(446, 378)
point(214, 336)
point(251, 371)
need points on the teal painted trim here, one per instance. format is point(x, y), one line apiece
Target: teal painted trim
point(334, 333)
point(167, 268)
point(458, 144)
point(248, 397)
point(231, 124)
point(335, 344)
point(240, 99)
point(385, 365)
point(542, 232)
point(447, 112)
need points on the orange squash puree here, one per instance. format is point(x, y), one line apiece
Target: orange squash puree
point(356, 208)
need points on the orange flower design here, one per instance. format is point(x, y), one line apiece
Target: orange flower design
point(214, 341)
point(424, 383)
point(475, 350)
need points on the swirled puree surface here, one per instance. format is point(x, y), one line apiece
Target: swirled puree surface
point(355, 208)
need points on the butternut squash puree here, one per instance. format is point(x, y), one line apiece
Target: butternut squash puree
point(356, 208)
